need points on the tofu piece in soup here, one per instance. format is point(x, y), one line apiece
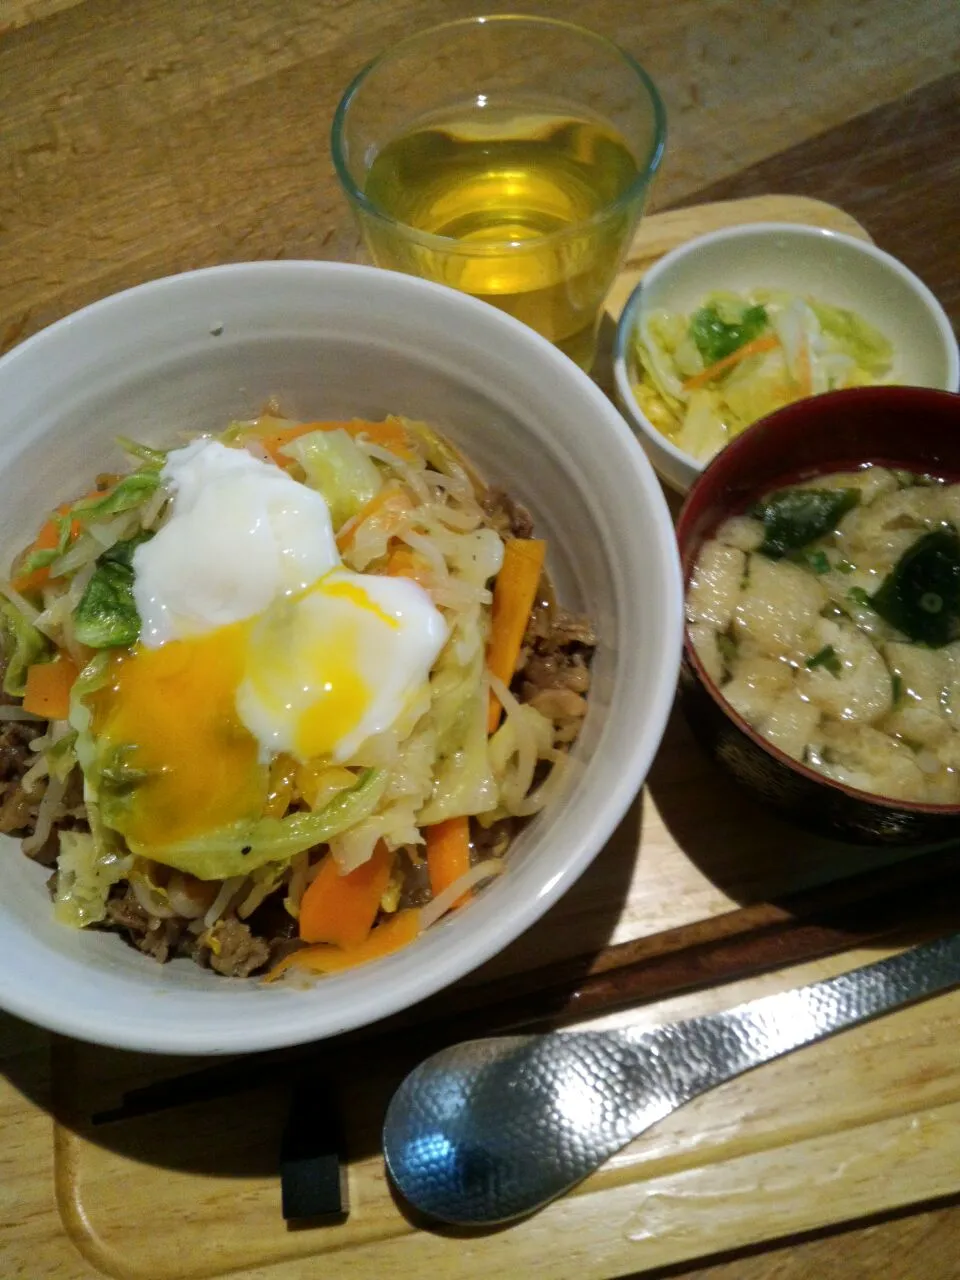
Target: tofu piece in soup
point(705, 641)
point(922, 712)
point(857, 684)
point(715, 585)
point(755, 685)
point(925, 674)
point(871, 482)
point(876, 536)
point(792, 724)
point(778, 607)
point(743, 532)
point(860, 756)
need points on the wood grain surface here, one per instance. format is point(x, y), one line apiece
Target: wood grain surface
point(896, 170)
point(149, 136)
point(140, 137)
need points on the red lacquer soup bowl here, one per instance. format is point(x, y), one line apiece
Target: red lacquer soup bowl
point(911, 428)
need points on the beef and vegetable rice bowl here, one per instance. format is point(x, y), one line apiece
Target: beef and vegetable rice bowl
point(280, 698)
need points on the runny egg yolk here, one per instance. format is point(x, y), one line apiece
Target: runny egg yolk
point(172, 712)
point(194, 724)
point(336, 664)
point(256, 644)
point(343, 695)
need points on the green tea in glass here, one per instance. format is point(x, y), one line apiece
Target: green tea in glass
point(508, 157)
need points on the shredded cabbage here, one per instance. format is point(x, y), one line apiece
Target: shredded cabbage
point(864, 345)
point(22, 645)
point(435, 761)
point(464, 783)
point(241, 847)
point(85, 876)
point(93, 677)
point(146, 453)
point(702, 379)
point(131, 492)
point(334, 464)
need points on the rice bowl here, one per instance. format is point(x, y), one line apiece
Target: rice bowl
point(192, 352)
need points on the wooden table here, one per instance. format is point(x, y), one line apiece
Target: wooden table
point(142, 137)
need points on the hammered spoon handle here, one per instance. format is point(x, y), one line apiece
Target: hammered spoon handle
point(489, 1130)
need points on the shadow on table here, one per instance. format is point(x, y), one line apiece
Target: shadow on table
point(754, 856)
point(225, 1119)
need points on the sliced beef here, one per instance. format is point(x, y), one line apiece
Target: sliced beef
point(125, 912)
point(572, 631)
point(158, 939)
point(554, 670)
point(415, 890)
point(18, 809)
point(162, 939)
point(492, 841)
point(506, 516)
point(230, 947)
point(15, 754)
point(236, 952)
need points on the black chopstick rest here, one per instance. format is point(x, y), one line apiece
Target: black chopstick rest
point(313, 1180)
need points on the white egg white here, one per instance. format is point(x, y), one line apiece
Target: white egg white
point(242, 533)
point(330, 657)
point(338, 664)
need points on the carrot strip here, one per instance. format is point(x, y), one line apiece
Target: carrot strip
point(276, 439)
point(767, 342)
point(47, 539)
point(448, 854)
point(392, 502)
point(389, 434)
point(397, 931)
point(48, 688)
point(514, 593)
point(404, 562)
point(341, 909)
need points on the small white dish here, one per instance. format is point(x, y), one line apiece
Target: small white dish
point(826, 265)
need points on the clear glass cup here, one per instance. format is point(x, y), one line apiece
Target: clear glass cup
point(509, 157)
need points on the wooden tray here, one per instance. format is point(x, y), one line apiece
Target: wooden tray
point(685, 895)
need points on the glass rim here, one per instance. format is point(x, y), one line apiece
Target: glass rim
point(449, 244)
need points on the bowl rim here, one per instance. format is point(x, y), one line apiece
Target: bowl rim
point(920, 808)
point(639, 185)
point(56, 1011)
point(763, 230)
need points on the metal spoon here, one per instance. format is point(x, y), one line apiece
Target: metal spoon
point(490, 1130)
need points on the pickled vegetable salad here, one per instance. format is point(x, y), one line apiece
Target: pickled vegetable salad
point(177, 756)
point(704, 378)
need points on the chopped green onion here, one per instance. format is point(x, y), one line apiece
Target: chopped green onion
point(827, 657)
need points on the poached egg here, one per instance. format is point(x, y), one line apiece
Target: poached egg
point(256, 642)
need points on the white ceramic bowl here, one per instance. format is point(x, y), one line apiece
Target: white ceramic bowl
point(808, 260)
point(190, 353)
